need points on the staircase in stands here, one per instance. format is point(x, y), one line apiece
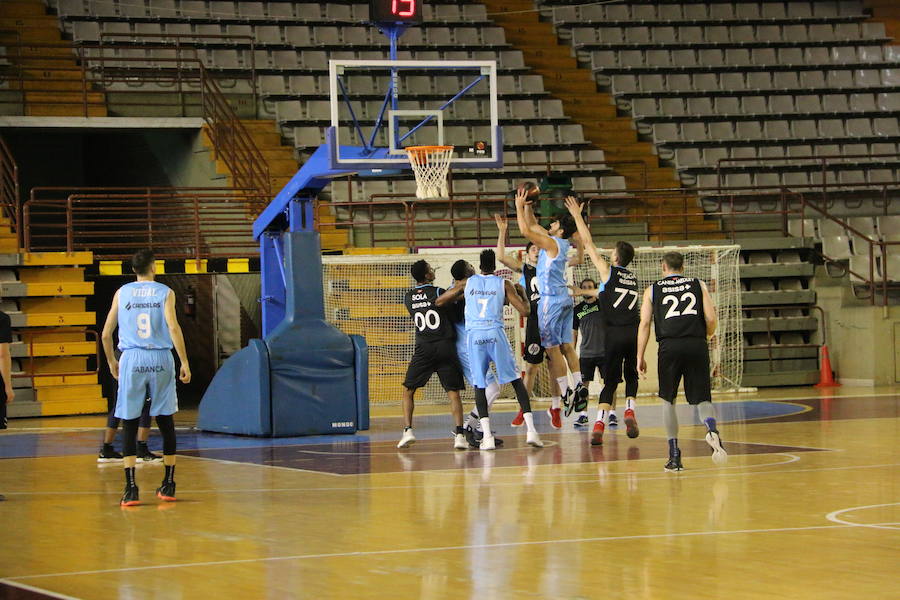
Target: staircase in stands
point(594, 110)
point(27, 21)
point(282, 166)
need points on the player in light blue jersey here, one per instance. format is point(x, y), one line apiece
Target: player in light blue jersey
point(144, 312)
point(555, 308)
point(461, 270)
point(486, 342)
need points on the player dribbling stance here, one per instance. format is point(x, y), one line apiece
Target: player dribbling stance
point(685, 317)
point(487, 343)
point(144, 312)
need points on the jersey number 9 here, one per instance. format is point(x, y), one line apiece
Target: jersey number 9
point(143, 324)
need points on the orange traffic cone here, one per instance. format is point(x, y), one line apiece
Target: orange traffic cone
point(826, 375)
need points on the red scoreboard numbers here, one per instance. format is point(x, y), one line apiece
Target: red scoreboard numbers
point(396, 11)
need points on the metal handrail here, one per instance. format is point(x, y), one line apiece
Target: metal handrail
point(9, 188)
point(45, 67)
point(32, 333)
point(176, 223)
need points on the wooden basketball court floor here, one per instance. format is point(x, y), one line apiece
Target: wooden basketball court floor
point(807, 507)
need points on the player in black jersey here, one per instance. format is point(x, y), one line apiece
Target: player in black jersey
point(685, 317)
point(618, 295)
point(533, 353)
point(435, 352)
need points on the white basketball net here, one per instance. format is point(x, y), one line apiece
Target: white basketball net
point(430, 165)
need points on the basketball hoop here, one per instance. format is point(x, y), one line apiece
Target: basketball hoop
point(430, 165)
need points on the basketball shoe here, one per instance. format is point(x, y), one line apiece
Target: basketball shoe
point(597, 434)
point(719, 456)
point(613, 420)
point(555, 419)
point(408, 439)
point(108, 454)
point(533, 439)
point(581, 421)
point(674, 463)
point(460, 442)
point(166, 491)
point(631, 426)
point(131, 497)
point(581, 397)
point(519, 419)
point(568, 401)
point(144, 454)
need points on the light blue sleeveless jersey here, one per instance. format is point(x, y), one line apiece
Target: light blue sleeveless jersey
point(142, 320)
point(484, 302)
point(551, 272)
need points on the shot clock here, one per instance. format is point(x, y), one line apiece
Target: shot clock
point(395, 11)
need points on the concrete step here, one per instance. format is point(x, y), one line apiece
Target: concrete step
point(783, 378)
point(776, 324)
point(778, 297)
point(754, 353)
point(776, 270)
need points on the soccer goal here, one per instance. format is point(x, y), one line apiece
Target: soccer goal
point(364, 295)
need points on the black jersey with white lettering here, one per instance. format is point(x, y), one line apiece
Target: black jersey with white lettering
point(432, 322)
point(620, 298)
point(530, 283)
point(678, 308)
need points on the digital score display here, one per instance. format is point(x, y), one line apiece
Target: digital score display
point(395, 11)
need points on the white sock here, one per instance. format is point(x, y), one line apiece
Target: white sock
point(629, 403)
point(576, 375)
point(529, 422)
point(555, 402)
point(563, 383)
point(486, 427)
point(583, 413)
point(492, 392)
point(612, 413)
point(603, 416)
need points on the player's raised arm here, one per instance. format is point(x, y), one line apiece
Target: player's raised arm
point(453, 294)
point(508, 260)
point(709, 311)
point(112, 321)
point(529, 226)
point(644, 328)
point(584, 238)
point(177, 338)
point(518, 302)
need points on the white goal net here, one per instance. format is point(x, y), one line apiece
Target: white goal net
point(364, 295)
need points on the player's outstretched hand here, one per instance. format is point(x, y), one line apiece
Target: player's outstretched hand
point(642, 367)
point(574, 206)
point(114, 369)
point(521, 197)
point(502, 225)
point(185, 374)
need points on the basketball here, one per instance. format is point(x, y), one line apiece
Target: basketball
point(533, 191)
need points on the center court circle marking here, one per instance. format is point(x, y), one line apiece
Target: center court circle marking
point(835, 518)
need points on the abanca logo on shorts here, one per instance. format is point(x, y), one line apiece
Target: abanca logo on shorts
point(153, 369)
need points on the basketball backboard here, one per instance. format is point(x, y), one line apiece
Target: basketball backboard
point(380, 107)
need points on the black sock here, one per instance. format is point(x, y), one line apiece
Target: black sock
point(129, 476)
point(107, 446)
point(170, 474)
point(460, 429)
point(141, 444)
point(673, 447)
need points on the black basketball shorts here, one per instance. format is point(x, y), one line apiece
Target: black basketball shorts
point(589, 364)
point(686, 358)
point(534, 352)
point(435, 357)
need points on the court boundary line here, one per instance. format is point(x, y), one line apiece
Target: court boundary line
point(431, 549)
point(251, 464)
